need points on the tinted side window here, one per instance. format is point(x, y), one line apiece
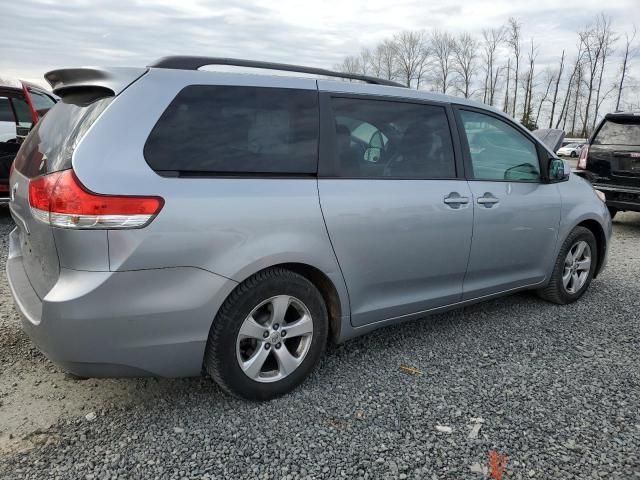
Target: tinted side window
point(380, 138)
point(23, 112)
point(6, 114)
point(219, 129)
point(613, 133)
point(498, 150)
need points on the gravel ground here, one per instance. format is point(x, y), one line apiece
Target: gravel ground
point(558, 389)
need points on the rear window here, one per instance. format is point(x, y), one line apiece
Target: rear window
point(613, 133)
point(236, 130)
point(50, 145)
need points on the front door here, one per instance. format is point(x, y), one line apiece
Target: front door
point(516, 214)
point(398, 218)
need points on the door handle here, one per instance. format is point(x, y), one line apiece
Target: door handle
point(488, 200)
point(455, 200)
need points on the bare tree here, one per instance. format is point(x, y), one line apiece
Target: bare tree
point(629, 54)
point(528, 84)
point(570, 84)
point(443, 47)
point(423, 67)
point(351, 65)
point(386, 59)
point(375, 62)
point(505, 105)
point(555, 93)
point(492, 38)
point(549, 79)
point(634, 104)
point(608, 38)
point(411, 53)
point(510, 71)
point(577, 93)
point(366, 61)
point(465, 54)
point(594, 38)
point(494, 83)
point(513, 39)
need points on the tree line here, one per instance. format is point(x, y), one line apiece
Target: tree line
point(500, 68)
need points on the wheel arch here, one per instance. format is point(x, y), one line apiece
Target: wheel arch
point(337, 306)
point(601, 241)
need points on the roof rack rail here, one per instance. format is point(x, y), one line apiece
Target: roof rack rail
point(180, 62)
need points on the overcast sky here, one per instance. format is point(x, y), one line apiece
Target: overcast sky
point(39, 35)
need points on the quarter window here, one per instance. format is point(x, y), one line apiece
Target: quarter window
point(380, 138)
point(219, 129)
point(498, 150)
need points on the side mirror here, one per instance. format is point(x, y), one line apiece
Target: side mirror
point(559, 170)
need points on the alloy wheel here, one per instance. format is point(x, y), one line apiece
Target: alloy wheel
point(274, 339)
point(577, 265)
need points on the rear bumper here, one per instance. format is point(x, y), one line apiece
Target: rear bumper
point(113, 324)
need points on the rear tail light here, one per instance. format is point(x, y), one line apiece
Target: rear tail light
point(582, 161)
point(60, 200)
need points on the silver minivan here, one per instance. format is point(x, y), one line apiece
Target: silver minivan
point(170, 219)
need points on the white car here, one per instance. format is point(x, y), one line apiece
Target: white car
point(570, 150)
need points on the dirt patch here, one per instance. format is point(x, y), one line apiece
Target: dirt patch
point(35, 395)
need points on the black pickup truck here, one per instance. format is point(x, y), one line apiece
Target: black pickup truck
point(611, 160)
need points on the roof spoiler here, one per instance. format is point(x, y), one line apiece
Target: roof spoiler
point(623, 117)
point(111, 81)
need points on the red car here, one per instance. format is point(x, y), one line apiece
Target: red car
point(22, 104)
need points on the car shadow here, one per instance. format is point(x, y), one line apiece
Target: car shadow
point(627, 220)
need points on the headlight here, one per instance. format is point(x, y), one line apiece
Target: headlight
point(600, 195)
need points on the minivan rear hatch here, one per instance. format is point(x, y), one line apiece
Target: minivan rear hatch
point(47, 149)
point(614, 153)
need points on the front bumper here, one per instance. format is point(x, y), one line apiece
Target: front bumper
point(114, 324)
point(620, 197)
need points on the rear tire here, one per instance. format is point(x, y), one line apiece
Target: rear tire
point(574, 154)
point(571, 277)
point(268, 335)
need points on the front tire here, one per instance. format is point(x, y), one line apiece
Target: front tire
point(574, 268)
point(268, 335)
point(574, 154)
